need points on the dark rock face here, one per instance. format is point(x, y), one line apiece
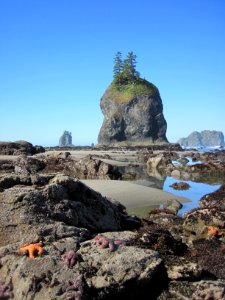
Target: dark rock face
point(19, 147)
point(28, 165)
point(216, 199)
point(211, 263)
point(205, 138)
point(57, 199)
point(137, 121)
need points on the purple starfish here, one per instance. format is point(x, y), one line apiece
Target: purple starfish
point(71, 258)
point(78, 289)
point(104, 242)
point(6, 290)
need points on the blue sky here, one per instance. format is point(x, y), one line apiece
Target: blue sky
point(56, 60)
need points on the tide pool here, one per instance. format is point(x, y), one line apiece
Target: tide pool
point(194, 193)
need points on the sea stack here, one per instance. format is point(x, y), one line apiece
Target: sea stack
point(66, 139)
point(205, 138)
point(133, 117)
point(132, 108)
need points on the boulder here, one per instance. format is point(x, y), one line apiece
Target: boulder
point(184, 270)
point(159, 164)
point(85, 168)
point(58, 199)
point(28, 165)
point(209, 254)
point(165, 217)
point(19, 148)
point(173, 205)
point(176, 174)
point(196, 222)
point(209, 290)
point(215, 199)
point(204, 289)
point(126, 273)
point(89, 168)
point(6, 166)
point(156, 237)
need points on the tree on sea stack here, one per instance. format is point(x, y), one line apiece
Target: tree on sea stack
point(118, 67)
point(125, 70)
point(129, 70)
point(132, 107)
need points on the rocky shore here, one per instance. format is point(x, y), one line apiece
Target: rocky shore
point(86, 246)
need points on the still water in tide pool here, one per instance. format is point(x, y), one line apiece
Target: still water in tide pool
point(196, 191)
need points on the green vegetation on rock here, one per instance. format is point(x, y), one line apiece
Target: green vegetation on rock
point(126, 92)
point(127, 83)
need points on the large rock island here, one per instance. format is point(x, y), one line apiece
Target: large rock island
point(133, 111)
point(205, 138)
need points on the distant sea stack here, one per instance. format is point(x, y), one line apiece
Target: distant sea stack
point(132, 109)
point(206, 138)
point(66, 139)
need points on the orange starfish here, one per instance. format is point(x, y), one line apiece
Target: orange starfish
point(213, 231)
point(32, 249)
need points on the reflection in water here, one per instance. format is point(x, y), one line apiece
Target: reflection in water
point(196, 191)
point(143, 177)
point(141, 212)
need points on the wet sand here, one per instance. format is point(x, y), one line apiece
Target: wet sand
point(131, 195)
